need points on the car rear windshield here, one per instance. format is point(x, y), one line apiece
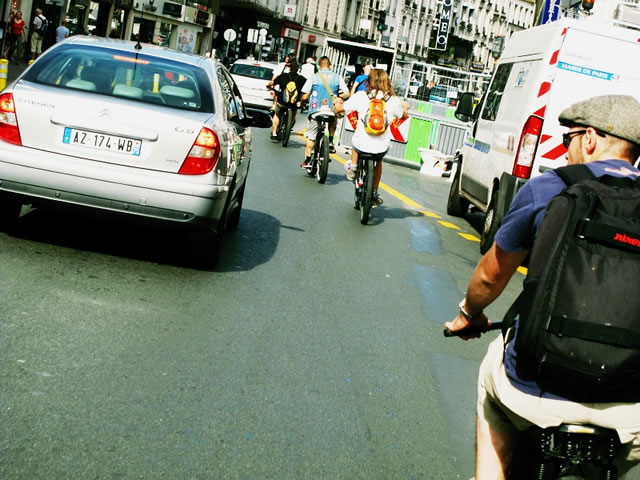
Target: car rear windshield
point(136, 77)
point(252, 71)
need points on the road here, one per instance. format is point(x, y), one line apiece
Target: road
point(315, 351)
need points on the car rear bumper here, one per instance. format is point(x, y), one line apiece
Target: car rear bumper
point(159, 195)
point(257, 99)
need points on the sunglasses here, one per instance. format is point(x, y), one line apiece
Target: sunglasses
point(567, 137)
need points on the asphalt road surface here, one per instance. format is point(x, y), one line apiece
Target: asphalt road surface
point(315, 351)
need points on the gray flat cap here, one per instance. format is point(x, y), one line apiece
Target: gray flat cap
point(617, 115)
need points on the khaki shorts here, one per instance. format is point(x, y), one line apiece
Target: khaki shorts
point(504, 407)
point(36, 43)
point(312, 129)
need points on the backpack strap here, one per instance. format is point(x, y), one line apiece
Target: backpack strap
point(572, 174)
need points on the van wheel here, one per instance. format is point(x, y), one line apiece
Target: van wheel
point(456, 205)
point(491, 225)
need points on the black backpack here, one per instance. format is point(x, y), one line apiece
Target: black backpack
point(579, 311)
point(44, 24)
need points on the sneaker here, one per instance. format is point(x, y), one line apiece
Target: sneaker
point(305, 165)
point(377, 200)
point(274, 137)
point(350, 169)
point(332, 148)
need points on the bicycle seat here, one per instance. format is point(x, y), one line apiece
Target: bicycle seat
point(324, 115)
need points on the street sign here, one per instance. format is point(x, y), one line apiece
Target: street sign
point(229, 35)
point(443, 29)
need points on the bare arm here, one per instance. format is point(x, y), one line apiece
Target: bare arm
point(491, 276)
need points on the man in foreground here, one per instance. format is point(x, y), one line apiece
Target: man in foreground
point(604, 134)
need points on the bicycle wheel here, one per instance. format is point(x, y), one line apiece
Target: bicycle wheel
point(367, 193)
point(323, 160)
point(285, 123)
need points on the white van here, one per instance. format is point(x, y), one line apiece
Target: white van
point(514, 132)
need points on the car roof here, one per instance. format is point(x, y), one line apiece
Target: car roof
point(260, 63)
point(130, 46)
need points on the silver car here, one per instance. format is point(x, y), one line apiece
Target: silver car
point(127, 127)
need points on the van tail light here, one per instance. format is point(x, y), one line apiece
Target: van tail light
point(204, 154)
point(527, 147)
point(9, 131)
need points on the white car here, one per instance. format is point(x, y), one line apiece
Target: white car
point(252, 77)
point(125, 127)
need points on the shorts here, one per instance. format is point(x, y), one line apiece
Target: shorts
point(36, 43)
point(312, 129)
point(380, 155)
point(280, 107)
point(505, 407)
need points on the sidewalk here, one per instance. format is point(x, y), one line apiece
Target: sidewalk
point(14, 71)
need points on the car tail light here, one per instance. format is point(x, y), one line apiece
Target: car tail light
point(527, 147)
point(9, 131)
point(204, 154)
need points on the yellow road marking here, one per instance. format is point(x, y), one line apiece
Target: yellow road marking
point(468, 236)
point(448, 225)
point(406, 200)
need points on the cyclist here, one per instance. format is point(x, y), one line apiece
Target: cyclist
point(282, 67)
point(280, 86)
point(378, 86)
point(361, 80)
point(604, 134)
point(318, 95)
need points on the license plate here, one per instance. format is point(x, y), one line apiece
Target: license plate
point(100, 141)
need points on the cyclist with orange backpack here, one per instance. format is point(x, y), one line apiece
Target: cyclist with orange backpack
point(288, 94)
point(376, 107)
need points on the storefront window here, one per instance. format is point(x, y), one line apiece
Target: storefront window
point(165, 34)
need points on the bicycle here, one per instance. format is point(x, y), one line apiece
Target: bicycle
point(319, 162)
point(363, 182)
point(284, 128)
point(565, 452)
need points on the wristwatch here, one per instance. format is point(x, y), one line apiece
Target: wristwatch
point(466, 314)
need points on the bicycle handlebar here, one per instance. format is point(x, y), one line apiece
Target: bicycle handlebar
point(472, 330)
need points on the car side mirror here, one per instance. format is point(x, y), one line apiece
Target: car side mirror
point(258, 118)
point(464, 110)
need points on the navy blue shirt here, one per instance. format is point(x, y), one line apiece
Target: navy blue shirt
point(520, 227)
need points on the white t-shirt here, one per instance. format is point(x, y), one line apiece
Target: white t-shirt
point(362, 140)
point(280, 69)
point(307, 70)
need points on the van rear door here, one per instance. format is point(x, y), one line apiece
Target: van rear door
point(590, 63)
point(497, 132)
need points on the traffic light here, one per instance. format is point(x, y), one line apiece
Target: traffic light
point(587, 4)
point(382, 18)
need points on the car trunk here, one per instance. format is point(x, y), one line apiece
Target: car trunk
point(105, 129)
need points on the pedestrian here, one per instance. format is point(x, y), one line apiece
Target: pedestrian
point(424, 91)
point(604, 135)
point(62, 31)
point(37, 33)
point(16, 44)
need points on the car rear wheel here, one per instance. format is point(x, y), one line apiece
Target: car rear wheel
point(491, 224)
point(234, 217)
point(205, 248)
point(9, 213)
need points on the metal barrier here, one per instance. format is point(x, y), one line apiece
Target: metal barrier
point(433, 126)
